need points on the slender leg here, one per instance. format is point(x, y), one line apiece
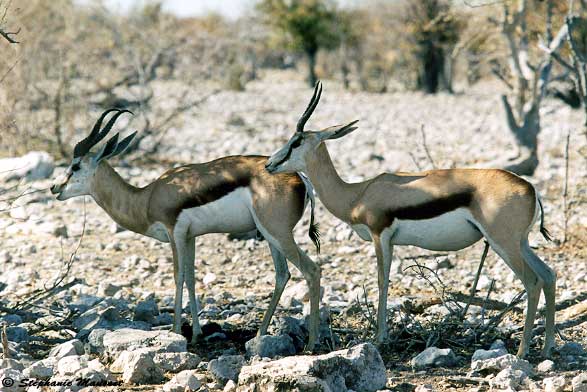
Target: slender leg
point(283, 240)
point(384, 252)
point(474, 287)
point(178, 278)
point(281, 278)
point(190, 280)
point(533, 291)
point(548, 278)
point(549, 322)
point(311, 272)
point(512, 254)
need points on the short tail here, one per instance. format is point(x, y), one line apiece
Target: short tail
point(314, 230)
point(543, 229)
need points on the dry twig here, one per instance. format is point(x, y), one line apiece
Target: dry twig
point(33, 298)
point(5, 347)
point(474, 287)
point(423, 132)
point(566, 186)
point(3, 32)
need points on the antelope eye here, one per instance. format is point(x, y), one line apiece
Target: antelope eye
point(296, 143)
point(75, 167)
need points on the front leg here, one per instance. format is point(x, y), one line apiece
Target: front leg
point(189, 266)
point(384, 252)
point(178, 277)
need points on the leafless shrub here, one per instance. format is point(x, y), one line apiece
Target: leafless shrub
point(9, 36)
point(527, 77)
point(76, 59)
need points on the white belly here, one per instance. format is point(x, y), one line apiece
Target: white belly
point(229, 214)
point(451, 231)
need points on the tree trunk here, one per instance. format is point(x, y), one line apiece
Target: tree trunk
point(312, 78)
point(448, 74)
point(432, 67)
point(526, 160)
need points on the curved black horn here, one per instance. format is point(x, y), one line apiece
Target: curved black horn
point(109, 125)
point(84, 146)
point(311, 106)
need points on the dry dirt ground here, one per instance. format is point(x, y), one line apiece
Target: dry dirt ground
point(462, 130)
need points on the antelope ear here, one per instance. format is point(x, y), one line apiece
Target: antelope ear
point(113, 148)
point(107, 149)
point(337, 131)
point(123, 145)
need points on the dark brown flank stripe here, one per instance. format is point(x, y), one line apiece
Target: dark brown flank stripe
point(432, 208)
point(215, 192)
point(224, 186)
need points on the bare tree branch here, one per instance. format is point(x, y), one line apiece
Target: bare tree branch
point(7, 35)
point(510, 117)
point(470, 5)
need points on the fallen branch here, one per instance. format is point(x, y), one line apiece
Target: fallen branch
point(468, 380)
point(579, 309)
point(495, 320)
point(419, 304)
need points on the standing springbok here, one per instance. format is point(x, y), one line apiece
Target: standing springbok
point(233, 194)
point(437, 210)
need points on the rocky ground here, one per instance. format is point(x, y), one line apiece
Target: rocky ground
point(117, 279)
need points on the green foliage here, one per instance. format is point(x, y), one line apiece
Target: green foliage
point(433, 21)
point(433, 28)
point(308, 25)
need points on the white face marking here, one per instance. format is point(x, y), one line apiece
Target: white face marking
point(229, 214)
point(76, 180)
point(451, 231)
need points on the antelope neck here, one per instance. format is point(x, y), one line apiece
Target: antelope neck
point(337, 195)
point(126, 204)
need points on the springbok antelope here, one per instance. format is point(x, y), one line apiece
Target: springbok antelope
point(233, 194)
point(438, 210)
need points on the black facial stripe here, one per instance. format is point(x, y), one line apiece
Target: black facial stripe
point(285, 158)
point(294, 144)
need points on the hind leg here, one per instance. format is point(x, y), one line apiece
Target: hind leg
point(312, 273)
point(281, 278)
point(511, 252)
point(548, 277)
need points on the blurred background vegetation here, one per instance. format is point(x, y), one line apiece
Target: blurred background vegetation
point(72, 57)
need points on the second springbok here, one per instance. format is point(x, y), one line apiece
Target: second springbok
point(439, 210)
point(232, 194)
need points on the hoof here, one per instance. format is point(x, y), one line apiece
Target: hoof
point(196, 338)
point(381, 339)
point(521, 353)
point(309, 348)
